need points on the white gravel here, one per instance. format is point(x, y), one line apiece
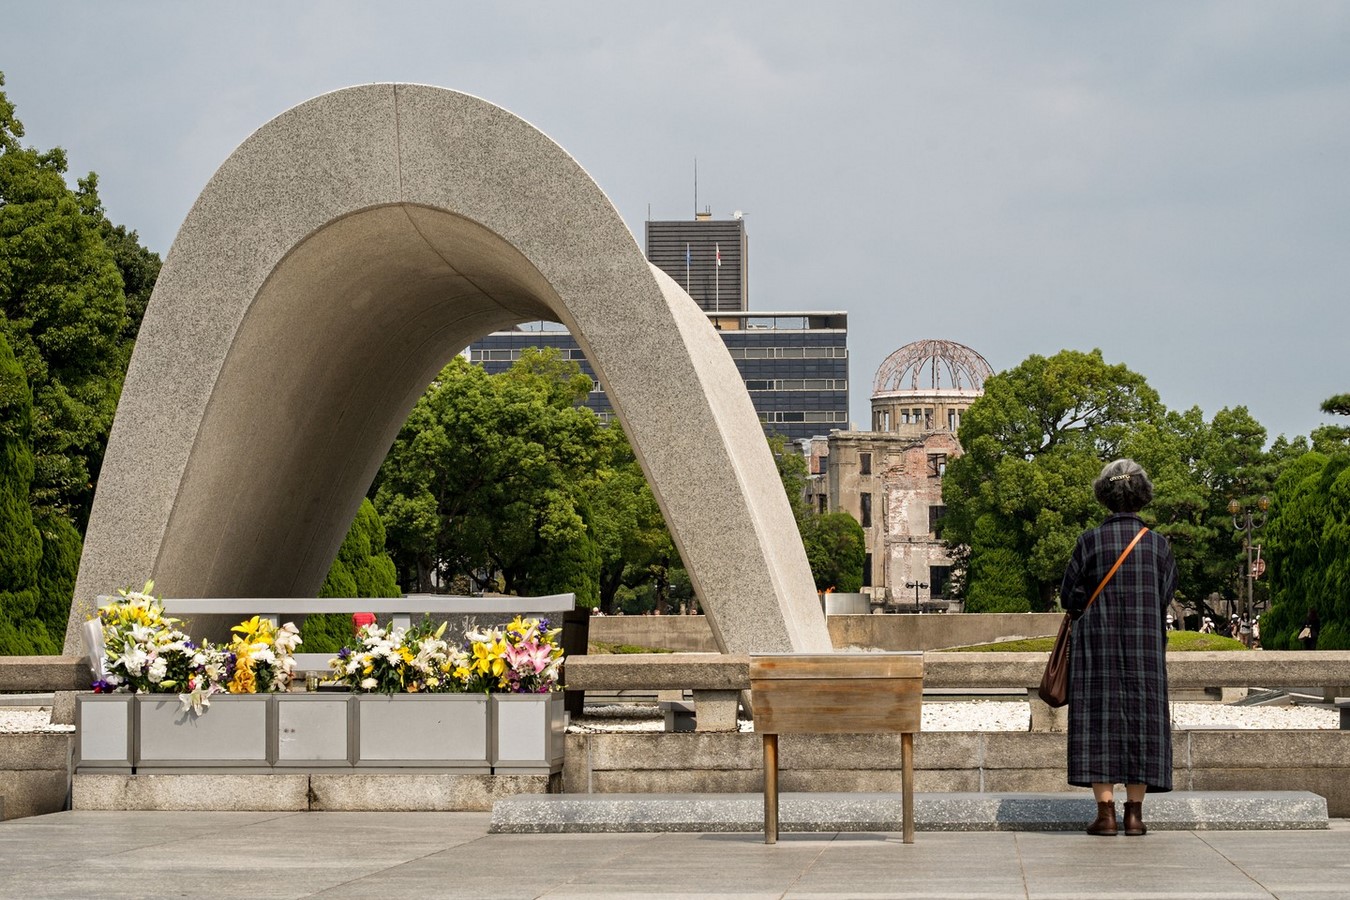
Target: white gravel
point(29, 720)
point(1003, 715)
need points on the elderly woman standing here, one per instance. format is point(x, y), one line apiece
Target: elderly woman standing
point(1119, 726)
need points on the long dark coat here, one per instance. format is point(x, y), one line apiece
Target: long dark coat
point(1120, 729)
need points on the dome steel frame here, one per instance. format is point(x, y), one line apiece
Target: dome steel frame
point(963, 368)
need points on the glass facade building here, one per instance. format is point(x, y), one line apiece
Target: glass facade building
point(795, 365)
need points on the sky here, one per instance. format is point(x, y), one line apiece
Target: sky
point(1168, 182)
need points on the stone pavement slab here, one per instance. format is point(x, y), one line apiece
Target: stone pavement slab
point(810, 812)
point(337, 855)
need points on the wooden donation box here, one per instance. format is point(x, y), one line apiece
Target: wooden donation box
point(836, 693)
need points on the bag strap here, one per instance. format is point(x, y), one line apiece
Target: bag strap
point(1110, 574)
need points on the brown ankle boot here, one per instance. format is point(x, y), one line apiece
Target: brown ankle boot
point(1134, 818)
point(1106, 820)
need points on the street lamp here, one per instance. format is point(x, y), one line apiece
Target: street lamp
point(1243, 523)
point(916, 585)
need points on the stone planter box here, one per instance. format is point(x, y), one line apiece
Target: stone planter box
point(528, 733)
point(105, 727)
point(235, 732)
point(447, 732)
point(314, 731)
point(468, 734)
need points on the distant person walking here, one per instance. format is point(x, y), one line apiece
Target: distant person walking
point(1311, 625)
point(1119, 724)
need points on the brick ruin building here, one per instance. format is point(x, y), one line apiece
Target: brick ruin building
point(890, 478)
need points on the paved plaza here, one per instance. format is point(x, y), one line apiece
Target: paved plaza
point(365, 855)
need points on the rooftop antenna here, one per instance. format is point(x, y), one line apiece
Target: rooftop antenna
point(696, 186)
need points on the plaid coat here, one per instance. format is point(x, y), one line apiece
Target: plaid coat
point(1119, 723)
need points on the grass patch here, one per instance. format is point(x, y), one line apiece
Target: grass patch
point(1177, 642)
point(1194, 640)
point(600, 648)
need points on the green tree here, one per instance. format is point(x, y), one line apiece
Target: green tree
point(792, 471)
point(1197, 468)
point(1308, 539)
point(1032, 446)
point(64, 313)
point(1308, 552)
point(138, 265)
point(1333, 438)
point(836, 547)
point(22, 631)
point(362, 569)
point(635, 546)
point(487, 479)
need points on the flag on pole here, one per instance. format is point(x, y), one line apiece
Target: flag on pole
point(717, 279)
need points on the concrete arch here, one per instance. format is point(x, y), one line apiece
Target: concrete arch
point(334, 263)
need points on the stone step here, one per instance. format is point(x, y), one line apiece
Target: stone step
point(800, 812)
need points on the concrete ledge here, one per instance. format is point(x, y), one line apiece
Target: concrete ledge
point(269, 793)
point(419, 793)
point(659, 671)
point(1180, 811)
point(393, 792)
point(965, 671)
point(24, 674)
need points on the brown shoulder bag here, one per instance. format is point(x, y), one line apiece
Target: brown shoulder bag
point(1054, 689)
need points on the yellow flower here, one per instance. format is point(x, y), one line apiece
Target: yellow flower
point(243, 681)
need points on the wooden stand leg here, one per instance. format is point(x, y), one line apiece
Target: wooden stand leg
point(770, 788)
point(907, 785)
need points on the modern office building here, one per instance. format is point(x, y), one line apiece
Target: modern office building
point(795, 364)
point(706, 256)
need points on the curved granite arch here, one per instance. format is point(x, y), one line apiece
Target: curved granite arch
point(334, 263)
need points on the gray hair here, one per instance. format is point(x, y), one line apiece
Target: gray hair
point(1123, 486)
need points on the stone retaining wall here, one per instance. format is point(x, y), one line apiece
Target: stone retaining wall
point(34, 773)
point(34, 780)
point(1317, 761)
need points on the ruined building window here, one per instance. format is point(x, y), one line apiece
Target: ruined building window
point(927, 420)
point(866, 500)
point(864, 463)
point(823, 503)
point(938, 576)
point(935, 514)
point(937, 465)
point(867, 570)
